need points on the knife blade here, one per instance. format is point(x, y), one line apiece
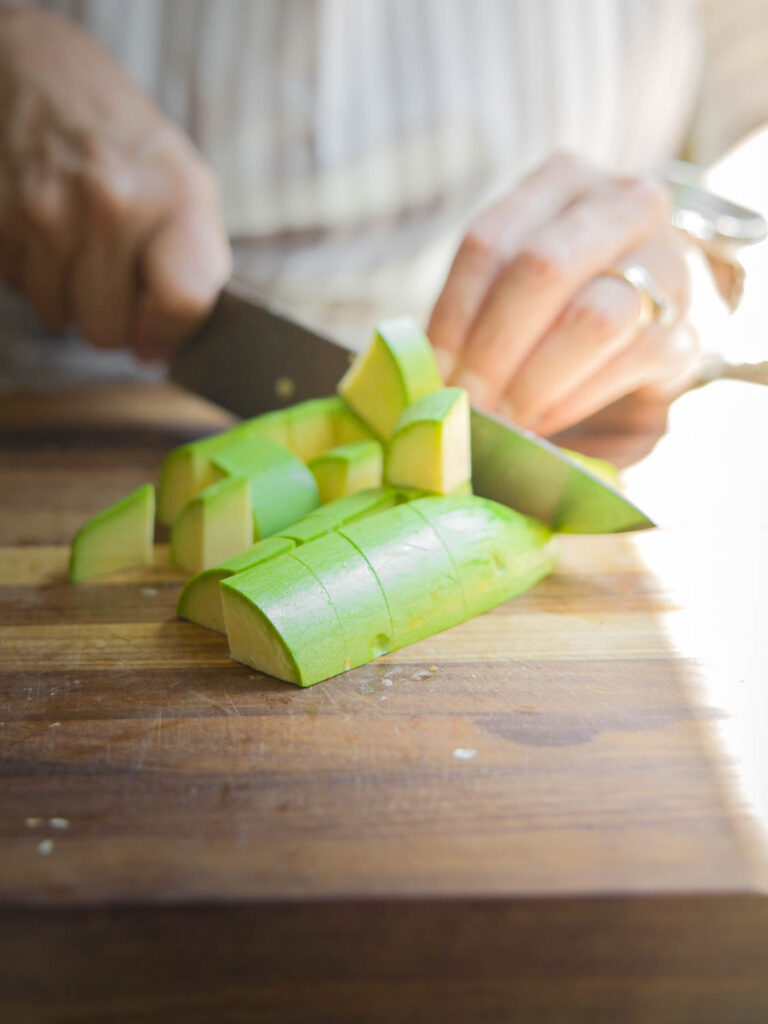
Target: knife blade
point(250, 359)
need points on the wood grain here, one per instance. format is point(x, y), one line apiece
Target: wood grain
point(659, 959)
point(527, 817)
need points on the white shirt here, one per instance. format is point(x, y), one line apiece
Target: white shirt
point(353, 139)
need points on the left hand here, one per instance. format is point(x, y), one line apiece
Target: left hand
point(110, 221)
point(532, 322)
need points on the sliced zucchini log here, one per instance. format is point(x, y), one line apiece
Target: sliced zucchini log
point(355, 595)
point(280, 620)
point(498, 553)
point(414, 570)
point(343, 510)
point(318, 610)
point(120, 537)
point(200, 599)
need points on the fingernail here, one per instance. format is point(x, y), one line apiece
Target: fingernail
point(474, 384)
point(446, 361)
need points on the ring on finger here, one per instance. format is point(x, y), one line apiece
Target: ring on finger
point(655, 306)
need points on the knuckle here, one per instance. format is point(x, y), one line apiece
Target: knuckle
point(563, 162)
point(113, 199)
point(40, 201)
point(605, 309)
point(109, 185)
point(539, 269)
point(591, 319)
point(477, 246)
point(95, 157)
point(651, 194)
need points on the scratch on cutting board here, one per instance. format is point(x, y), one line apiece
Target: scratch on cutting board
point(212, 702)
point(234, 706)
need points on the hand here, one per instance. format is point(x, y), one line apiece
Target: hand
point(530, 322)
point(109, 219)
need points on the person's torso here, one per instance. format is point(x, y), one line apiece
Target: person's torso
point(354, 138)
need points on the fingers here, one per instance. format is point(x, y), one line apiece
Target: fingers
point(44, 244)
point(493, 239)
point(182, 269)
point(109, 221)
point(11, 252)
point(118, 212)
point(597, 323)
point(101, 290)
point(656, 360)
point(682, 366)
point(152, 253)
point(44, 282)
point(554, 263)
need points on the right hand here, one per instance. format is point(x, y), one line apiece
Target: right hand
point(110, 221)
point(533, 320)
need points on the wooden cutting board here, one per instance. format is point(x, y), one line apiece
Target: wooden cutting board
point(529, 817)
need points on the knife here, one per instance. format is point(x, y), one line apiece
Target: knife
point(250, 359)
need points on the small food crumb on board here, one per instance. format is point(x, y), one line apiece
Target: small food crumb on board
point(45, 847)
point(464, 753)
point(148, 592)
point(53, 725)
point(33, 822)
point(433, 669)
point(59, 823)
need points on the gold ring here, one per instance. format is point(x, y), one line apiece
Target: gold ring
point(655, 306)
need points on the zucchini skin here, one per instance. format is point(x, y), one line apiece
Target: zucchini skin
point(436, 561)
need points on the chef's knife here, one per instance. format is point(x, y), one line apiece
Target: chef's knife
point(250, 360)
